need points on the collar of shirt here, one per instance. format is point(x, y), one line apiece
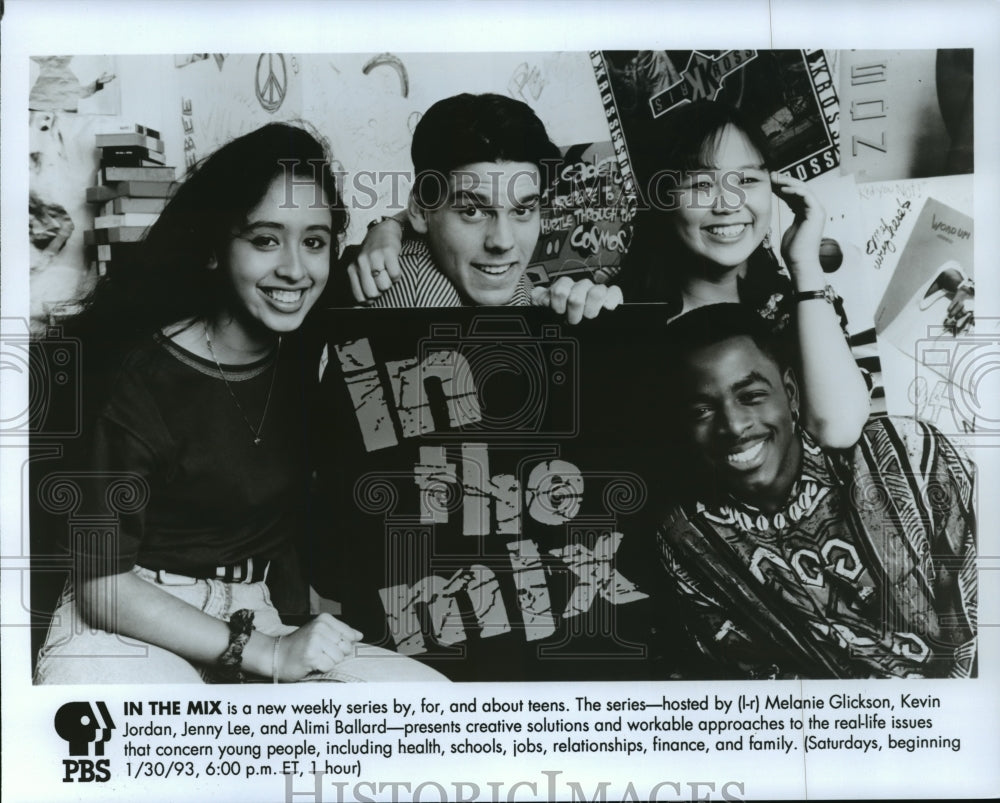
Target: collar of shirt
point(815, 481)
point(438, 287)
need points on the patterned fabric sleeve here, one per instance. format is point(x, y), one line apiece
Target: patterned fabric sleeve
point(947, 480)
point(731, 651)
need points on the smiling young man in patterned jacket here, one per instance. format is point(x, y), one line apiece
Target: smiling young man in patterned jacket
point(788, 560)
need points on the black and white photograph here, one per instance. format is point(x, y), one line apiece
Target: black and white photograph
point(628, 416)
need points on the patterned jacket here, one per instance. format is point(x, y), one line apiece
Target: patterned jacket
point(869, 570)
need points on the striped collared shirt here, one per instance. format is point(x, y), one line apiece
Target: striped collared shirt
point(423, 285)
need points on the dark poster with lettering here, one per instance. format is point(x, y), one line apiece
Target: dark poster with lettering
point(789, 94)
point(488, 484)
point(586, 218)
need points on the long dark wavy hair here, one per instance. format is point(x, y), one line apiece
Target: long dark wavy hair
point(657, 263)
point(170, 280)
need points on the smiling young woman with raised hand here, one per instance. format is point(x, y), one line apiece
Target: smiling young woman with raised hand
point(196, 397)
point(704, 239)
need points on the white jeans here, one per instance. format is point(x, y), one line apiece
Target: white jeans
point(74, 652)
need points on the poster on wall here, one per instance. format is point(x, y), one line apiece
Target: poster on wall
point(934, 93)
point(788, 94)
point(529, 534)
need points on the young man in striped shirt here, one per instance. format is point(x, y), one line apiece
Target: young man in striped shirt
point(480, 163)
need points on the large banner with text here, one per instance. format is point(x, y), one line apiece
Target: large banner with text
point(488, 479)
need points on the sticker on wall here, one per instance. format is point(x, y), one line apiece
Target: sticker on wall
point(271, 82)
point(80, 84)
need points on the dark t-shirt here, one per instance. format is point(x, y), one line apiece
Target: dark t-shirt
point(207, 495)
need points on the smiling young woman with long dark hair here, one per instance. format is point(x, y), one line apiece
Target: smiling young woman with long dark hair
point(197, 397)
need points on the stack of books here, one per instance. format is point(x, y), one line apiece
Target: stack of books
point(135, 185)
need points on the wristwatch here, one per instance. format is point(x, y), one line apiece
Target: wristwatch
point(827, 294)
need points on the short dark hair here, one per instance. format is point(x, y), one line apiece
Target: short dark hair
point(711, 324)
point(465, 129)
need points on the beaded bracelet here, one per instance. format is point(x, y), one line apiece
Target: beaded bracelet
point(229, 667)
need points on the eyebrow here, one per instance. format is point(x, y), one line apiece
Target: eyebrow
point(750, 379)
point(271, 224)
point(528, 200)
point(716, 168)
point(485, 199)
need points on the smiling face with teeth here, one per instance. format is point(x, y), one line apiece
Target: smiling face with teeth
point(724, 208)
point(483, 235)
point(278, 262)
point(738, 407)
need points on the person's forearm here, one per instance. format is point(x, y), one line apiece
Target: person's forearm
point(834, 395)
point(126, 604)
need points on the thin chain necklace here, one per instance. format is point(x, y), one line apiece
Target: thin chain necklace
point(256, 431)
